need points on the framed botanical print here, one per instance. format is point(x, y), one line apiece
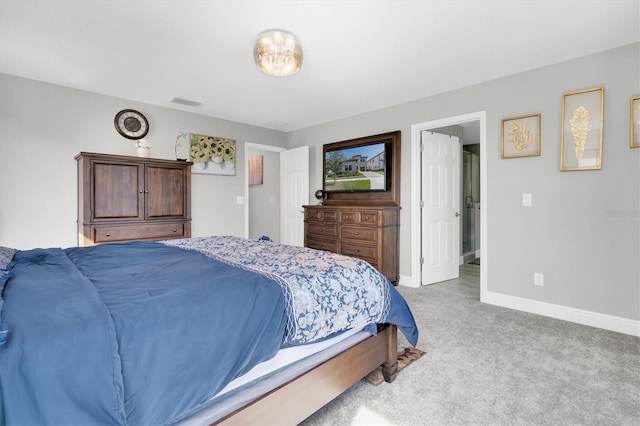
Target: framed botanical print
point(582, 123)
point(634, 122)
point(212, 155)
point(521, 136)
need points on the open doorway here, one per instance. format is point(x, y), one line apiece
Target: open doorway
point(276, 211)
point(471, 202)
point(262, 196)
point(473, 128)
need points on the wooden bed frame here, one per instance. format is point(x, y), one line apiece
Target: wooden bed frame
point(292, 402)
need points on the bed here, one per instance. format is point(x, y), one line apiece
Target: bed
point(168, 332)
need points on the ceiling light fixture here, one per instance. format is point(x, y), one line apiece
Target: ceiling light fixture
point(278, 53)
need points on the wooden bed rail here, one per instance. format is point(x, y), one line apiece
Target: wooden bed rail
point(297, 399)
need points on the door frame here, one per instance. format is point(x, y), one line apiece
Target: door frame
point(416, 224)
point(247, 147)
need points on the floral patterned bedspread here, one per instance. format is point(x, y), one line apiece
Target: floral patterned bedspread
point(326, 292)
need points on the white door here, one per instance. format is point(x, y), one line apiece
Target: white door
point(440, 182)
point(294, 193)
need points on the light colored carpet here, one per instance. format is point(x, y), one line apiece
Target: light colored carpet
point(486, 365)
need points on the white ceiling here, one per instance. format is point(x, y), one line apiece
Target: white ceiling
point(358, 55)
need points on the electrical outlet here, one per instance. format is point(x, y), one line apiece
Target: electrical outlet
point(538, 278)
point(527, 199)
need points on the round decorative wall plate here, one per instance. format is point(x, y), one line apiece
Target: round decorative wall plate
point(131, 124)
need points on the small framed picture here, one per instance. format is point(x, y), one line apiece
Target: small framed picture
point(255, 170)
point(581, 137)
point(521, 136)
point(634, 122)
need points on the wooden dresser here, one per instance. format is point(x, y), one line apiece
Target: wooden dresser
point(369, 233)
point(122, 198)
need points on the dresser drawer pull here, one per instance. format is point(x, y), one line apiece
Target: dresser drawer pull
point(108, 234)
point(357, 250)
point(357, 233)
point(174, 230)
point(366, 218)
point(346, 216)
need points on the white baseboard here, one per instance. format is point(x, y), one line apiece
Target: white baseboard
point(579, 316)
point(406, 280)
point(565, 313)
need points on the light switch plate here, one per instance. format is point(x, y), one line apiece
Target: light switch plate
point(527, 199)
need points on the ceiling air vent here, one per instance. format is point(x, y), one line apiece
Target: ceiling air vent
point(186, 102)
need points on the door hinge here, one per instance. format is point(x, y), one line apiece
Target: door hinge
point(421, 147)
point(422, 261)
point(421, 204)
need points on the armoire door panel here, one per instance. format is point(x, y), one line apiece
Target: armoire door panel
point(117, 191)
point(165, 192)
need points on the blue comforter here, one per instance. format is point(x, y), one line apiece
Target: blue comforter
point(134, 333)
point(326, 293)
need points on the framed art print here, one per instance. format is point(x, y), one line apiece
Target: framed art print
point(581, 137)
point(255, 170)
point(212, 155)
point(521, 136)
point(634, 122)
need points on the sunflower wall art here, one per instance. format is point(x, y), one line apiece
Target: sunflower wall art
point(213, 155)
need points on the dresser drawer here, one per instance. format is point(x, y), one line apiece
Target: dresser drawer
point(322, 245)
point(348, 217)
point(322, 229)
point(359, 217)
point(147, 231)
point(359, 233)
point(322, 215)
point(363, 252)
point(366, 217)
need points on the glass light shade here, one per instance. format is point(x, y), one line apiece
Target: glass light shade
point(278, 53)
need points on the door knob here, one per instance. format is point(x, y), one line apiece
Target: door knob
point(457, 214)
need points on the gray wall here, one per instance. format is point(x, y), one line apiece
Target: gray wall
point(583, 229)
point(43, 126)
